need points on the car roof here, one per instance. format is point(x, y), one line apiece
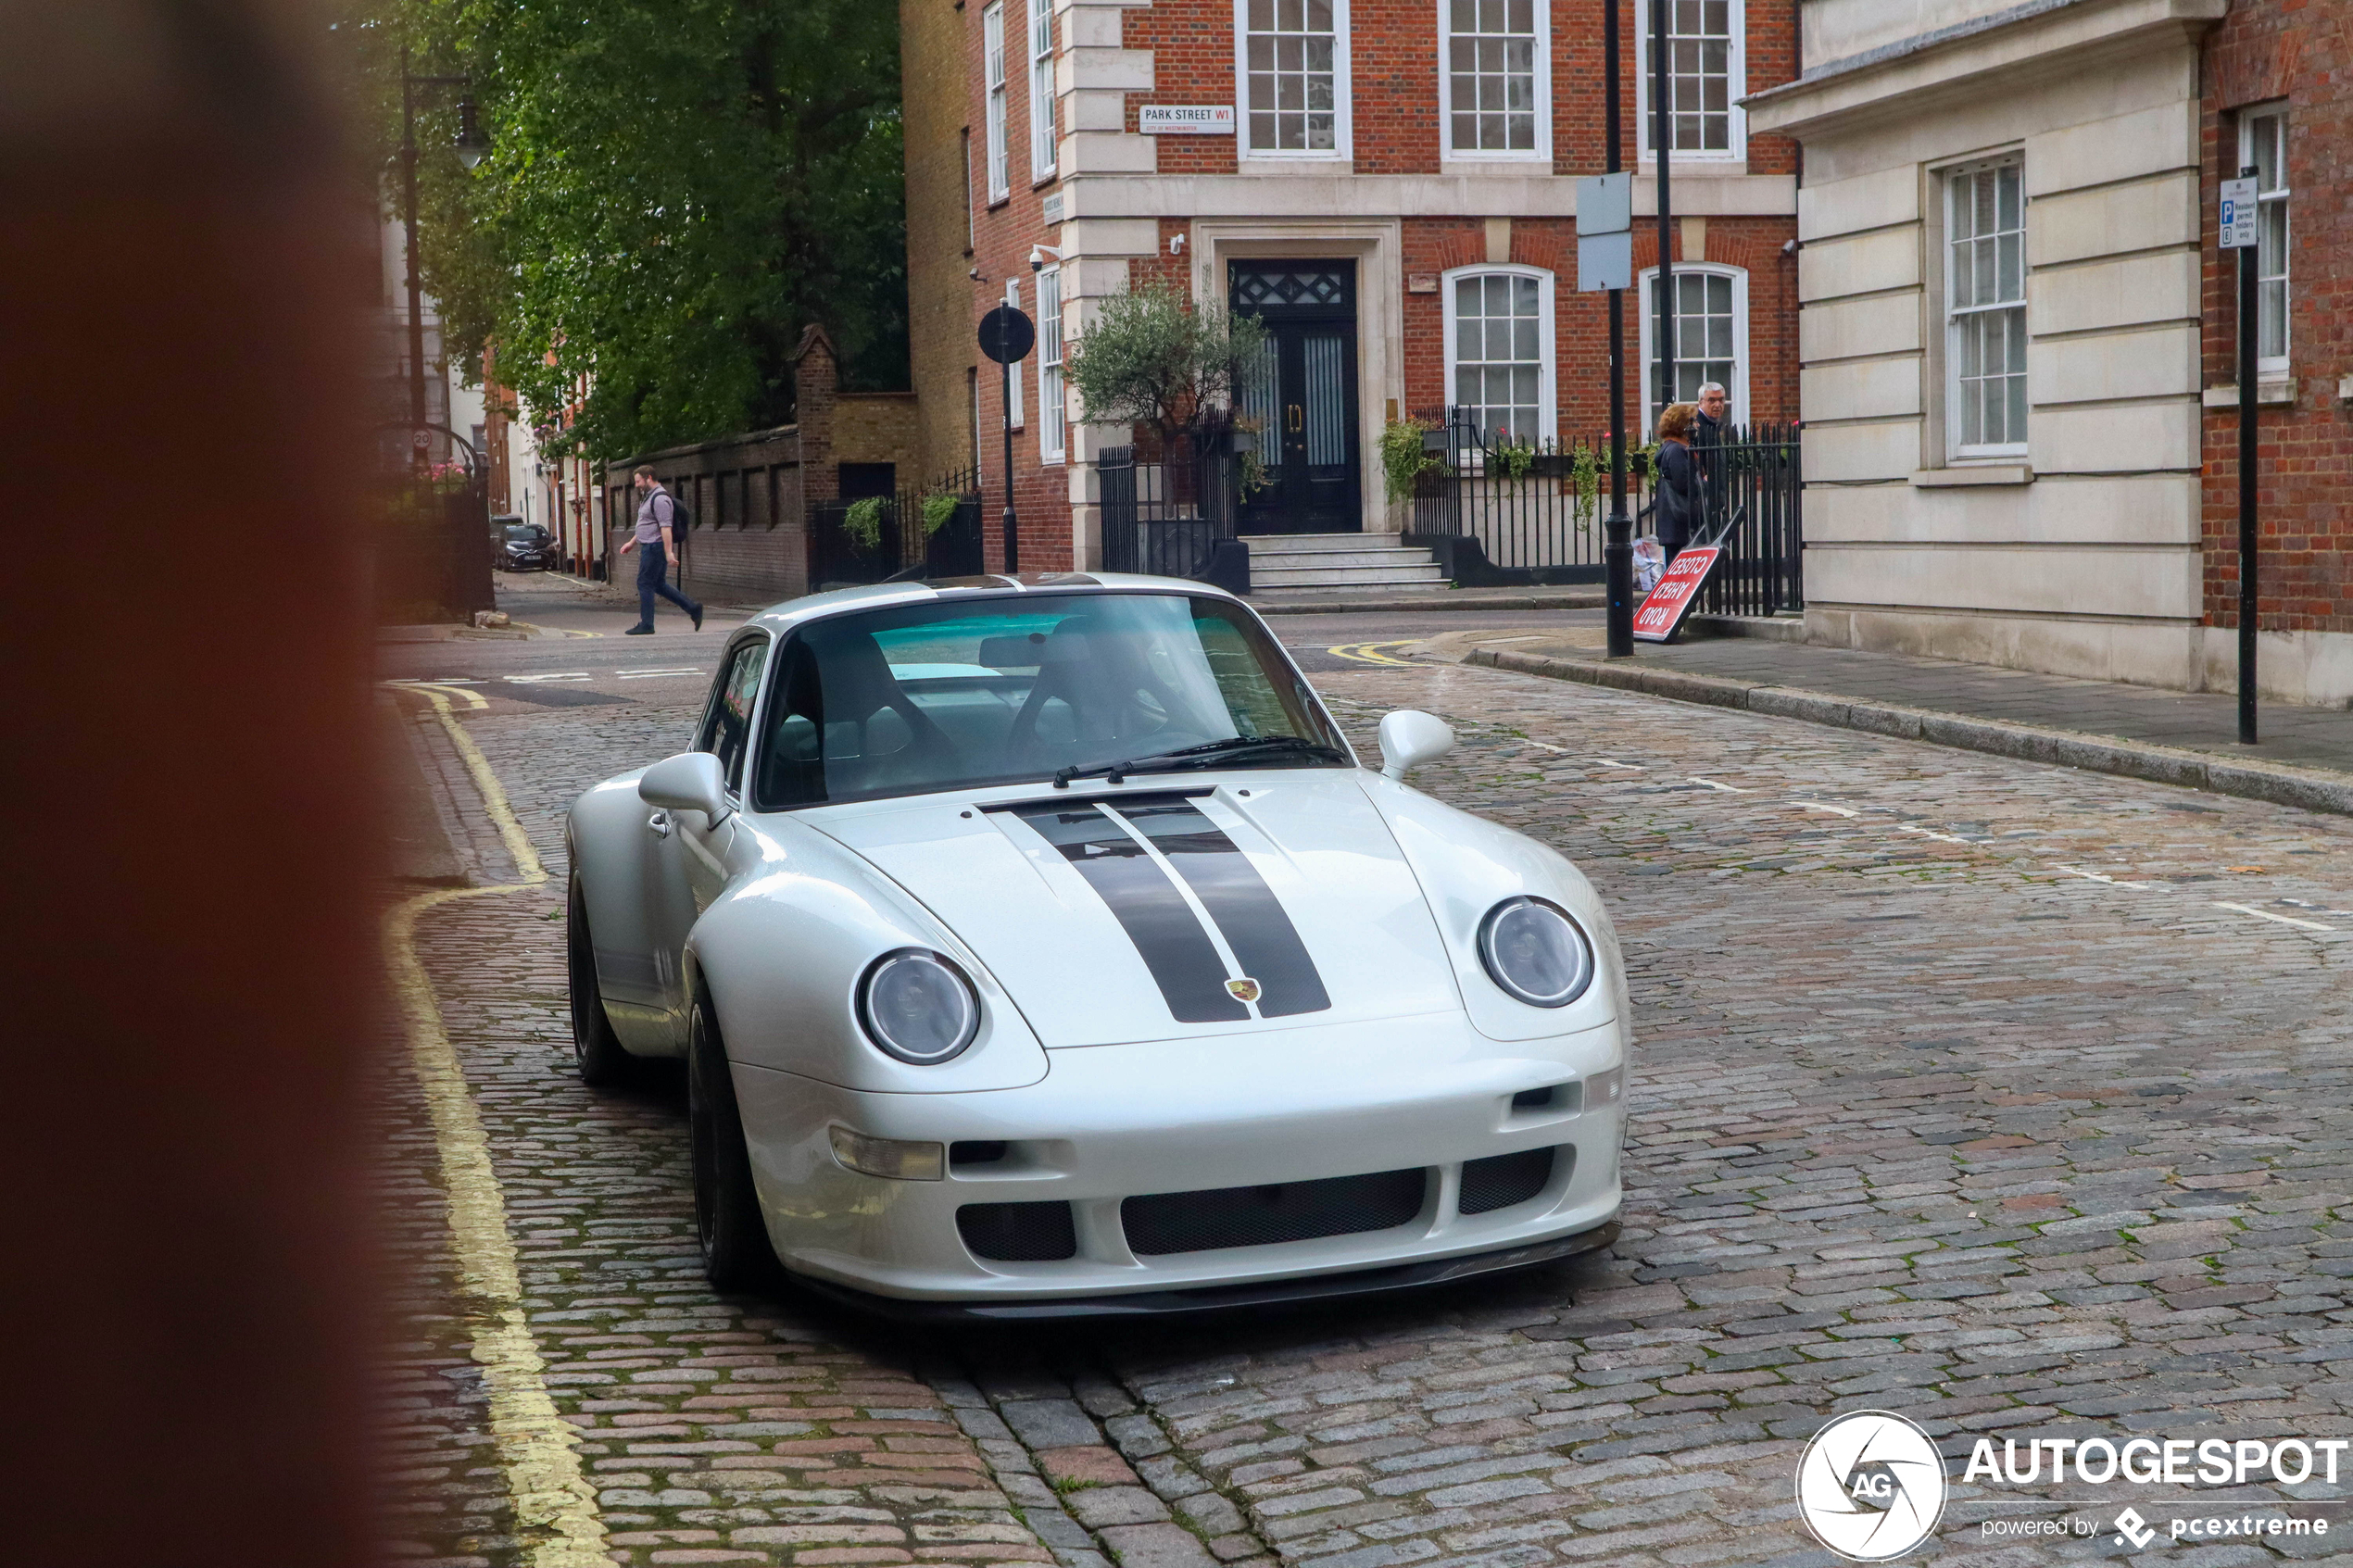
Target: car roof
point(783, 617)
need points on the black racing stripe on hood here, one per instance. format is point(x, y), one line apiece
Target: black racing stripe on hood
point(1252, 920)
point(1168, 935)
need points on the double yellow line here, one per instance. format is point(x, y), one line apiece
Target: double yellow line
point(554, 1507)
point(1370, 653)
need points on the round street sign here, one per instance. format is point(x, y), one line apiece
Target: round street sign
point(1007, 335)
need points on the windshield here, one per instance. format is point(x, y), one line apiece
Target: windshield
point(927, 697)
point(524, 533)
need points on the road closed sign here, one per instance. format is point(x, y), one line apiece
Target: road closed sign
point(1662, 612)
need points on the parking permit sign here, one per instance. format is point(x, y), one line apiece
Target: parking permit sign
point(1662, 612)
point(2237, 223)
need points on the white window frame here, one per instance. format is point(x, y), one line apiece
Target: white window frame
point(2278, 197)
point(1547, 335)
point(1948, 334)
point(1042, 90)
point(1542, 151)
point(1342, 148)
point(1053, 434)
point(1013, 415)
point(992, 48)
point(1646, 298)
point(1736, 67)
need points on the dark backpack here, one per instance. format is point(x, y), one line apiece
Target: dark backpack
point(680, 518)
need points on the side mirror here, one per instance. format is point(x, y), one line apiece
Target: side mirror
point(692, 781)
point(1408, 739)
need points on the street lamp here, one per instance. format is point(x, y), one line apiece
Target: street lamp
point(471, 144)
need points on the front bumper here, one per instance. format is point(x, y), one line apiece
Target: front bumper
point(1112, 1122)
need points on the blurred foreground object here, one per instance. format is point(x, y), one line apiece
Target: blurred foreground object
point(190, 832)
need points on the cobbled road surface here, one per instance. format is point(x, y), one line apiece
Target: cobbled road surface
point(2009, 1099)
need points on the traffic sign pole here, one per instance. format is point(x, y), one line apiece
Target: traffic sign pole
point(1007, 336)
point(2240, 210)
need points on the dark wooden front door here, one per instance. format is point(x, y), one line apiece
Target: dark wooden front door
point(1301, 396)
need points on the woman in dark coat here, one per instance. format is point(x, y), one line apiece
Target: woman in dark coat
point(1675, 489)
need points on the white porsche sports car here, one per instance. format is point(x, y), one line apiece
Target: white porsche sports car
point(1039, 947)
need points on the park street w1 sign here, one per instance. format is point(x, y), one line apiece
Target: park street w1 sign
point(1661, 615)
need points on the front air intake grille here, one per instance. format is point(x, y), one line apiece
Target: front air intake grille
point(1501, 1179)
point(1018, 1232)
point(1262, 1216)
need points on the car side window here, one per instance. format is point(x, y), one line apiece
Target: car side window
point(726, 729)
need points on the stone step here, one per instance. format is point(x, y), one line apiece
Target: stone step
point(1323, 560)
point(1294, 542)
point(1345, 577)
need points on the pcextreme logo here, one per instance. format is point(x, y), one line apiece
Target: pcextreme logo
point(1870, 1485)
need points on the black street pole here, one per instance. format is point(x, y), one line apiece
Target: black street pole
point(1012, 529)
point(1617, 549)
point(416, 289)
point(2248, 543)
point(1660, 143)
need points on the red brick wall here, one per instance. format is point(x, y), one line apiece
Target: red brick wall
point(2267, 50)
point(1395, 131)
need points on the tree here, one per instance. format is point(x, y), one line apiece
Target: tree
point(1155, 357)
point(675, 188)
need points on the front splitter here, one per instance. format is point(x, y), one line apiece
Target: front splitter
point(1221, 1298)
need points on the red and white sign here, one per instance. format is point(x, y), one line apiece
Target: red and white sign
point(1678, 590)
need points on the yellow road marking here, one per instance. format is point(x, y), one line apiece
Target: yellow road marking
point(1369, 653)
point(437, 691)
point(554, 1507)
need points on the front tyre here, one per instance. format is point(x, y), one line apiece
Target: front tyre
point(735, 1253)
point(595, 1046)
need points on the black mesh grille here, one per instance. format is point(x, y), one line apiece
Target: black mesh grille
point(1018, 1232)
point(1501, 1179)
point(1260, 1216)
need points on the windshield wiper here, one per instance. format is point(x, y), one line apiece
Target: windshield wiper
point(1208, 753)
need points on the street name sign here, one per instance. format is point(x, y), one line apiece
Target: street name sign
point(2238, 214)
point(1186, 119)
point(1661, 615)
point(1007, 335)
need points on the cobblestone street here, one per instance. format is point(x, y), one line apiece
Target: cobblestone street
point(2003, 1097)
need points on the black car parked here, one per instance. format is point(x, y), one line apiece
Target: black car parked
point(525, 547)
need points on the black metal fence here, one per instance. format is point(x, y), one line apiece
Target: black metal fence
point(1503, 512)
point(1174, 517)
point(908, 535)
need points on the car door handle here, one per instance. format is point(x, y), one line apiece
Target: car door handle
point(659, 822)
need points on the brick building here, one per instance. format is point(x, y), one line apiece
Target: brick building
point(1389, 184)
point(2278, 97)
point(2019, 339)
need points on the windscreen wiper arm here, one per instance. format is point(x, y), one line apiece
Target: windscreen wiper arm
point(1206, 754)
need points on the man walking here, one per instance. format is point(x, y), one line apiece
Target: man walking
point(1708, 440)
point(656, 513)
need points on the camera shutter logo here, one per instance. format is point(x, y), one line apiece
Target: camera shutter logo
point(1870, 1485)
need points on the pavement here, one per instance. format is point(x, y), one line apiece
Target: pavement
point(2005, 1096)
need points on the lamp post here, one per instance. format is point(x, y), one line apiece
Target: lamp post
point(1617, 549)
point(1661, 140)
point(472, 146)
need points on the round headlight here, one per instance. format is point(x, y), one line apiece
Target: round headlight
point(918, 1006)
point(1533, 950)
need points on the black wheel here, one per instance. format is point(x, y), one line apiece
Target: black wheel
point(593, 1044)
point(735, 1253)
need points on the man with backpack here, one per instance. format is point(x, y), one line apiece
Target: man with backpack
point(657, 519)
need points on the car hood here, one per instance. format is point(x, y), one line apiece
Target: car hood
point(1155, 911)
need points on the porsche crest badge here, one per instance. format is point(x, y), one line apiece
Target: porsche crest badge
point(1243, 990)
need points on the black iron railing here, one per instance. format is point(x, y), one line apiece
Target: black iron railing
point(1168, 519)
point(888, 537)
point(1504, 511)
